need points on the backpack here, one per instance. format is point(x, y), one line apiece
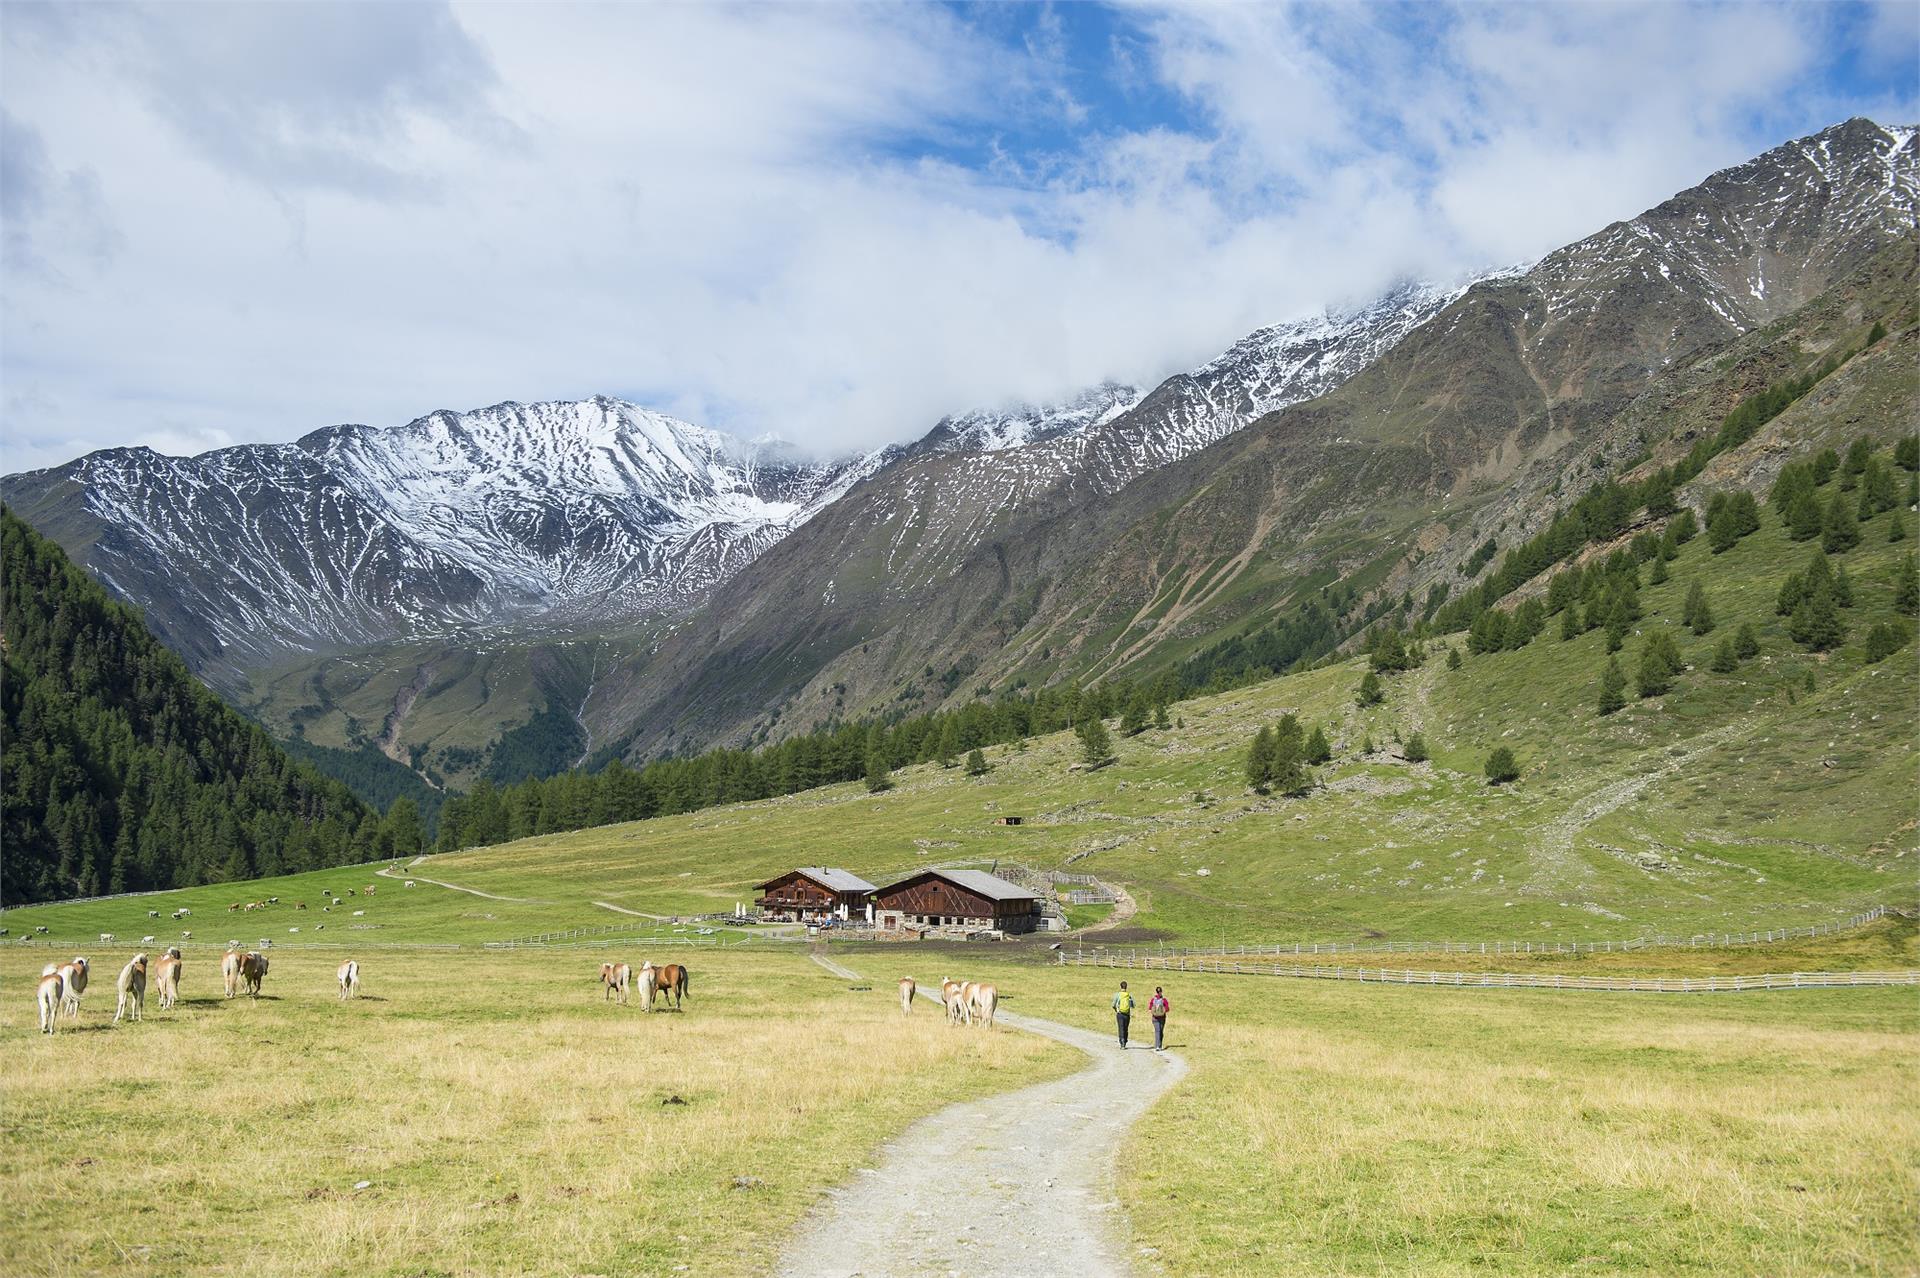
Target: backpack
point(1157, 1005)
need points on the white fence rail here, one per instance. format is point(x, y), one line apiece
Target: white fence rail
point(1703, 940)
point(1501, 980)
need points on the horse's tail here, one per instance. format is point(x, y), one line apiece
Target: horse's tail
point(686, 979)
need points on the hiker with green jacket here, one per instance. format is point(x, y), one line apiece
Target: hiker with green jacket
point(1122, 1013)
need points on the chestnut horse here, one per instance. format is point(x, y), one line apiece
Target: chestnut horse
point(673, 982)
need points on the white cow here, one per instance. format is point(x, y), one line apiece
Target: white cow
point(50, 994)
point(349, 977)
point(132, 985)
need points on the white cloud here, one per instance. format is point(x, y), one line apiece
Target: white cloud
point(304, 216)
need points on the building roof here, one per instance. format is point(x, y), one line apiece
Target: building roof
point(828, 877)
point(990, 886)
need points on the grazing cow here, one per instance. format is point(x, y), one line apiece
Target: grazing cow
point(369, 889)
point(299, 905)
point(409, 882)
point(166, 978)
point(106, 938)
point(673, 981)
point(147, 940)
point(359, 913)
point(51, 993)
point(74, 977)
point(132, 986)
point(40, 931)
point(648, 979)
point(234, 908)
point(186, 936)
point(153, 914)
point(273, 900)
point(348, 975)
point(253, 970)
point(907, 988)
point(984, 1002)
point(230, 970)
point(953, 998)
point(616, 977)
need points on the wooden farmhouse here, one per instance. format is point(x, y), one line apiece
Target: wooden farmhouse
point(816, 894)
point(970, 899)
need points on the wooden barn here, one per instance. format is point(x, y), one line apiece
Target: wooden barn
point(815, 894)
point(971, 899)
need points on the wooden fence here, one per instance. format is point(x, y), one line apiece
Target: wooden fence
point(1500, 980)
point(1703, 940)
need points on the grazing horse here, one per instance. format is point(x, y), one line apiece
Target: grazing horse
point(983, 1000)
point(673, 982)
point(953, 998)
point(132, 986)
point(166, 977)
point(649, 982)
point(74, 982)
point(907, 989)
point(348, 974)
point(253, 970)
point(616, 977)
point(51, 993)
point(230, 972)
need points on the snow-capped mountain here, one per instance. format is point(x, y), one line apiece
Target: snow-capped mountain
point(520, 514)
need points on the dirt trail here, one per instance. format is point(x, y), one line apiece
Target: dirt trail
point(1124, 908)
point(1019, 1184)
point(455, 887)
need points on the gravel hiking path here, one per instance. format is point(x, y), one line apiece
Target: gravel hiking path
point(1018, 1185)
point(455, 887)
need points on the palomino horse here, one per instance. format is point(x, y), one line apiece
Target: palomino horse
point(907, 989)
point(616, 977)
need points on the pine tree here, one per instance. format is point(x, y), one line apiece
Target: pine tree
point(1260, 759)
point(1096, 747)
point(1659, 574)
point(1415, 750)
point(879, 775)
point(1683, 527)
point(1841, 531)
point(1896, 529)
point(1697, 615)
point(1290, 775)
point(949, 745)
point(1618, 623)
point(1804, 517)
point(1885, 639)
point(1842, 587)
point(1317, 749)
point(1501, 767)
point(1453, 658)
point(1659, 663)
point(1367, 747)
point(1570, 623)
point(1613, 686)
point(1877, 333)
point(1906, 453)
point(1746, 644)
point(1370, 693)
point(1724, 661)
point(1906, 588)
point(976, 763)
point(1160, 721)
point(1816, 622)
point(1138, 714)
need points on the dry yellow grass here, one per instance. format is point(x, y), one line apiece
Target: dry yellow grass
point(1334, 1130)
point(507, 1120)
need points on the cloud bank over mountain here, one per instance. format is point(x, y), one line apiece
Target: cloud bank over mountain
point(837, 224)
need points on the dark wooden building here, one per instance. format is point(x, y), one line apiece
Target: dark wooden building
point(816, 894)
point(956, 898)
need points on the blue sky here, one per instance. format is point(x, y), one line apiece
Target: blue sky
point(837, 223)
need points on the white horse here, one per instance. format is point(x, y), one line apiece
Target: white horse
point(907, 988)
point(649, 982)
point(348, 975)
point(953, 996)
point(617, 977)
point(982, 1001)
point(166, 977)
